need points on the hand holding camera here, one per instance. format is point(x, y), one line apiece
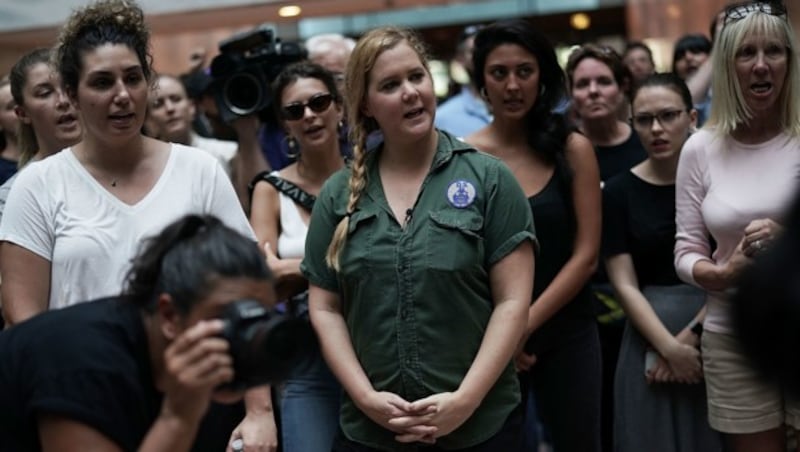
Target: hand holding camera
point(196, 363)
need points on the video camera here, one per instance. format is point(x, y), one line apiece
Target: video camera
point(245, 68)
point(266, 346)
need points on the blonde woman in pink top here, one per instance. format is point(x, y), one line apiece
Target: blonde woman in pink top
point(735, 180)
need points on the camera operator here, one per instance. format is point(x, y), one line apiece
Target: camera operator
point(138, 371)
point(241, 77)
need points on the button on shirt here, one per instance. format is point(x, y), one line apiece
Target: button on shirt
point(415, 292)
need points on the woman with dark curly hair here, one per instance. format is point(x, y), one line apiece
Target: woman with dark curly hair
point(559, 355)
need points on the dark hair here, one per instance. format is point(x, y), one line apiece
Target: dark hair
point(634, 45)
point(184, 259)
point(668, 80)
point(26, 137)
point(296, 71)
point(102, 22)
point(695, 43)
point(546, 132)
point(766, 306)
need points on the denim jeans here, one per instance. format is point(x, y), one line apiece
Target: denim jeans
point(310, 402)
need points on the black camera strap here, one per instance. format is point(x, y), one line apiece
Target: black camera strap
point(289, 189)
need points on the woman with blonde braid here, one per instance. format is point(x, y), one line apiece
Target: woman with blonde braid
point(421, 298)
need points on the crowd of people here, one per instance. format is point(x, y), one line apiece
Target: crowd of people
point(547, 258)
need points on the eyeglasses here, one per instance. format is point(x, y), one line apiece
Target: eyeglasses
point(317, 103)
point(738, 12)
point(666, 118)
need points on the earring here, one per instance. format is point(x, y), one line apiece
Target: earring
point(484, 95)
point(293, 146)
point(340, 126)
point(542, 90)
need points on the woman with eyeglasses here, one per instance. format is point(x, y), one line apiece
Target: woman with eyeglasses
point(309, 105)
point(660, 402)
point(735, 180)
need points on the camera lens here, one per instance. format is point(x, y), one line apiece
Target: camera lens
point(242, 94)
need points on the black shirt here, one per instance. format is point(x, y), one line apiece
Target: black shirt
point(619, 158)
point(639, 218)
point(89, 363)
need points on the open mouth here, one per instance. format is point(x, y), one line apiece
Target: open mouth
point(66, 119)
point(761, 87)
point(659, 143)
point(414, 113)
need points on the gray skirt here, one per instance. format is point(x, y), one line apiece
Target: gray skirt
point(662, 417)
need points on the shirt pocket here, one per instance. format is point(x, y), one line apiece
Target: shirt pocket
point(455, 240)
point(355, 256)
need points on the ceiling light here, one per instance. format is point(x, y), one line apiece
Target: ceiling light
point(289, 11)
point(580, 21)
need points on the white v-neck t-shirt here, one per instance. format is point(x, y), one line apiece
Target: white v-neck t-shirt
point(57, 210)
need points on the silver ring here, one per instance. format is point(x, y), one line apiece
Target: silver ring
point(237, 445)
point(758, 245)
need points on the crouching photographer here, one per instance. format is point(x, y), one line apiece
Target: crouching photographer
point(139, 371)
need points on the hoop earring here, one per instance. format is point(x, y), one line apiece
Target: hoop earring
point(484, 95)
point(542, 90)
point(292, 146)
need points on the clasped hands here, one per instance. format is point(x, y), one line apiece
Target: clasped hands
point(423, 420)
point(680, 364)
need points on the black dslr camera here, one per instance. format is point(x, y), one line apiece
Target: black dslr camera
point(266, 346)
point(246, 66)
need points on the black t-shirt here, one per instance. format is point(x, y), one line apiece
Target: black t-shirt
point(89, 363)
point(639, 218)
point(619, 158)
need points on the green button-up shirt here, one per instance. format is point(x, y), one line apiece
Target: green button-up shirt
point(415, 291)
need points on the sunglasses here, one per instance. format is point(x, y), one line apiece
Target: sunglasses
point(739, 11)
point(317, 103)
point(666, 118)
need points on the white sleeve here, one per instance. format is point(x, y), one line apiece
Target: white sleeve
point(224, 204)
point(27, 217)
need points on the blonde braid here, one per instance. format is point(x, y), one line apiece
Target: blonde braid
point(358, 180)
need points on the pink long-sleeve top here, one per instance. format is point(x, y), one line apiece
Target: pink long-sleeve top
point(721, 186)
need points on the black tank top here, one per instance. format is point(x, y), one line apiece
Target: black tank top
point(554, 217)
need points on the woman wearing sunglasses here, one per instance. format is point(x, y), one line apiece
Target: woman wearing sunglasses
point(734, 183)
point(310, 108)
point(660, 402)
